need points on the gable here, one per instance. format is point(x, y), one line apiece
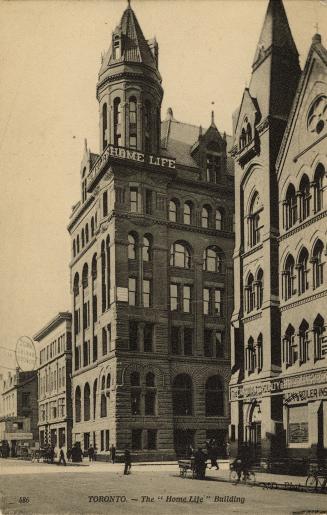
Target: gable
point(249, 110)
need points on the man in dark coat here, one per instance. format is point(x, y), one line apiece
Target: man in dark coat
point(127, 462)
point(200, 463)
point(62, 457)
point(113, 453)
point(90, 452)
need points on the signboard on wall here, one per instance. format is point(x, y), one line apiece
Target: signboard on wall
point(298, 432)
point(25, 354)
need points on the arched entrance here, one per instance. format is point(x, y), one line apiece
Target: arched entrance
point(254, 436)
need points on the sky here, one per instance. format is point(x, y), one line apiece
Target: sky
point(50, 55)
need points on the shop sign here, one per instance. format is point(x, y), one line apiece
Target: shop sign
point(276, 386)
point(308, 394)
point(131, 155)
point(298, 432)
point(18, 436)
point(25, 354)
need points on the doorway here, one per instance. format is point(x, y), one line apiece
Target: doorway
point(183, 439)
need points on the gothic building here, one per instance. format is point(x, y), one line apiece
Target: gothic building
point(278, 323)
point(151, 269)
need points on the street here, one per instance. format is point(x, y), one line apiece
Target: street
point(102, 488)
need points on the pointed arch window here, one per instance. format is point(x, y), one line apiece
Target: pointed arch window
point(74, 248)
point(260, 352)
point(305, 197)
point(250, 294)
point(83, 239)
point(87, 233)
point(302, 267)
point(250, 357)
point(289, 278)
point(318, 188)
point(117, 122)
point(255, 225)
point(248, 133)
point(77, 244)
point(304, 342)
point(290, 348)
point(259, 288)
point(214, 397)
point(104, 126)
point(318, 337)
point(78, 405)
point(92, 226)
point(290, 207)
point(318, 265)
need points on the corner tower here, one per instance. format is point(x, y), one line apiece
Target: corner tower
point(129, 89)
point(259, 125)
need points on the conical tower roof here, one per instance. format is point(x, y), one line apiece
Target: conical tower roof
point(275, 32)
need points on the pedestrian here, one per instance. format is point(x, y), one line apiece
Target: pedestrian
point(213, 455)
point(127, 462)
point(200, 463)
point(90, 452)
point(62, 457)
point(95, 453)
point(69, 454)
point(52, 454)
point(227, 449)
point(113, 453)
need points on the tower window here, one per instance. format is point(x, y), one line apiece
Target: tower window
point(132, 123)
point(117, 122)
point(213, 168)
point(116, 48)
point(134, 204)
point(104, 126)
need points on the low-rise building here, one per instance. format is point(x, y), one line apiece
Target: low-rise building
point(54, 372)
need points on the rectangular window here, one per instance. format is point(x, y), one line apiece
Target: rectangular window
point(175, 333)
point(148, 202)
point(188, 341)
point(136, 439)
point(132, 291)
point(107, 439)
point(105, 203)
point(133, 344)
point(152, 439)
point(109, 337)
point(206, 301)
point(187, 299)
point(134, 200)
point(148, 337)
point(173, 297)
point(102, 440)
point(95, 309)
point(218, 303)
point(147, 293)
point(95, 348)
point(104, 342)
point(207, 343)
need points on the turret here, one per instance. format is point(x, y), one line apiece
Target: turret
point(129, 89)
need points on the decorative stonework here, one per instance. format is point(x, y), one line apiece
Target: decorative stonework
point(304, 301)
point(252, 317)
point(303, 225)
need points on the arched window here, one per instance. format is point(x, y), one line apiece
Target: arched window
point(92, 226)
point(302, 267)
point(103, 410)
point(289, 278)
point(180, 256)
point(132, 122)
point(85, 276)
point(290, 349)
point(260, 352)
point(117, 122)
point(103, 383)
point(87, 233)
point(83, 238)
point(135, 393)
point(104, 126)
point(318, 337)
point(182, 395)
point(76, 285)
point(250, 294)
point(94, 267)
point(212, 259)
point(95, 393)
point(108, 382)
point(214, 397)
point(77, 244)
point(87, 402)
point(303, 341)
point(205, 216)
point(242, 142)
point(103, 276)
point(219, 220)
point(305, 197)
point(74, 248)
point(116, 48)
point(187, 213)
point(150, 394)
point(147, 126)
point(131, 246)
point(290, 207)
point(254, 221)
point(318, 265)
point(248, 133)
point(250, 356)
point(78, 404)
point(318, 185)
point(259, 287)
point(172, 212)
point(147, 250)
point(108, 269)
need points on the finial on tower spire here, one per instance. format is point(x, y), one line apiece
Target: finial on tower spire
point(212, 116)
point(85, 144)
point(128, 4)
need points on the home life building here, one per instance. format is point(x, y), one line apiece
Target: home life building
point(278, 387)
point(54, 379)
point(151, 268)
point(18, 422)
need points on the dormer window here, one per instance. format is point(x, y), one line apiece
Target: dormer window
point(116, 48)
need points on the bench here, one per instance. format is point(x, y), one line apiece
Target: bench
point(184, 466)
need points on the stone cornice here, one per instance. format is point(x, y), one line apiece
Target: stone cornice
point(304, 300)
point(77, 214)
point(303, 225)
point(247, 319)
point(295, 158)
point(252, 250)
